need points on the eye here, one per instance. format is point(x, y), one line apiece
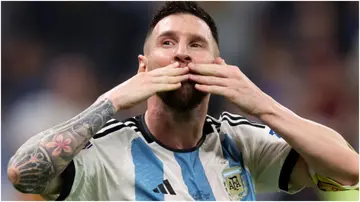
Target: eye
point(168, 43)
point(196, 45)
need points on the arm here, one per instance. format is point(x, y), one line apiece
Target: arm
point(320, 147)
point(43, 157)
point(36, 166)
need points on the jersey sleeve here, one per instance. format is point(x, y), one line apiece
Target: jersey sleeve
point(80, 180)
point(269, 158)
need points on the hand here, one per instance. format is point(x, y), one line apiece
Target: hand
point(230, 82)
point(145, 84)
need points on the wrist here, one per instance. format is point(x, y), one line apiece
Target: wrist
point(270, 108)
point(114, 103)
point(275, 112)
point(108, 98)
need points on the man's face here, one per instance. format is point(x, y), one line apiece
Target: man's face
point(183, 38)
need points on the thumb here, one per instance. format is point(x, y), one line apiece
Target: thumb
point(220, 61)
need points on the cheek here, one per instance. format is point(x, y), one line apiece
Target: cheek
point(203, 58)
point(159, 59)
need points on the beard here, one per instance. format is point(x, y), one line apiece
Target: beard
point(183, 99)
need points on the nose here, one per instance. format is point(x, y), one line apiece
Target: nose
point(182, 54)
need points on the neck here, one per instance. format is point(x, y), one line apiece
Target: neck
point(177, 130)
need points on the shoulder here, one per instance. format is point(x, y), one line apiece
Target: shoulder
point(115, 131)
point(129, 125)
point(235, 120)
point(235, 125)
point(229, 120)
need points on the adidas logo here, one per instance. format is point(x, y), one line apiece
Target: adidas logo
point(161, 188)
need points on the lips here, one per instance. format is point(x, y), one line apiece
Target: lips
point(183, 65)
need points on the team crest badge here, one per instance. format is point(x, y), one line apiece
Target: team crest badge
point(235, 183)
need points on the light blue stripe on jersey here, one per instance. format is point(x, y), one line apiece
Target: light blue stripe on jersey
point(194, 176)
point(149, 171)
point(233, 155)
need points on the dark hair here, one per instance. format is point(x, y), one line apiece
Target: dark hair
point(188, 7)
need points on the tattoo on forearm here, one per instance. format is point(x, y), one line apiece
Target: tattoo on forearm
point(47, 154)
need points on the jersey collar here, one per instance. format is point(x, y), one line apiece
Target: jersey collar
point(150, 138)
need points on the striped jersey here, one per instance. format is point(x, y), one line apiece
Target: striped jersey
point(234, 160)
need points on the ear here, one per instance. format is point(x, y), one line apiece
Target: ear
point(142, 63)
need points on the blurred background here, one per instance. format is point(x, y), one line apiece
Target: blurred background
point(58, 57)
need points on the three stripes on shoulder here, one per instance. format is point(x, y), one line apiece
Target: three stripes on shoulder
point(113, 125)
point(235, 120)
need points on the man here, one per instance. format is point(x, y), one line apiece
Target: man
point(175, 151)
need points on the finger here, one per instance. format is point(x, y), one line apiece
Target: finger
point(169, 71)
point(175, 71)
point(209, 69)
point(170, 66)
point(213, 89)
point(167, 87)
point(220, 61)
point(208, 80)
point(170, 79)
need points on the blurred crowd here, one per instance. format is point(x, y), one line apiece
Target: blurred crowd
point(58, 57)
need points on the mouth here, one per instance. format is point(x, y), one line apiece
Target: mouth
point(183, 65)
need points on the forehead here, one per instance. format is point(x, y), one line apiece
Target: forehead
point(183, 24)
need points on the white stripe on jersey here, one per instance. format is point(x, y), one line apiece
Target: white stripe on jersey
point(212, 119)
point(129, 122)
point(211, 157)
point(240, 121)
point(110, 126)
point(233, 115)
point(216, 124)
point(237, 119)
point(112, 120)
point(172, 172)
point(134, 127)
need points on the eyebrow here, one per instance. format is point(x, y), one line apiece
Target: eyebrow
point(194, 37)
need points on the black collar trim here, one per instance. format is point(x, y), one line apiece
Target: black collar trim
point(149, 137)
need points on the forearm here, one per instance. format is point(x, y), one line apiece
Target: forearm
point(47, 154)
point(322, 148)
